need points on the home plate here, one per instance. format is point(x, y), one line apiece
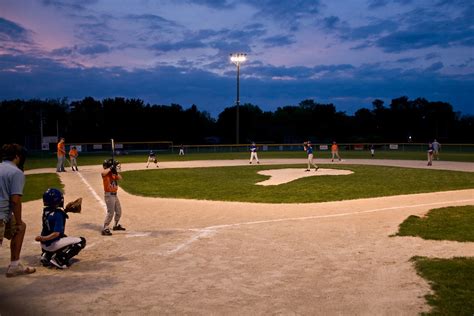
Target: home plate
point(138, 234)
point(280, 176)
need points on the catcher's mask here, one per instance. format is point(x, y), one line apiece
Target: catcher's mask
point(53, 198)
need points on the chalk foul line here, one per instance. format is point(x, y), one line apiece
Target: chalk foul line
point(92, 191)
point(211, 230)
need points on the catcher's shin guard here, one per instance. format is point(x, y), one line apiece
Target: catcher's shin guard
point(46, 257)
point(65, 254)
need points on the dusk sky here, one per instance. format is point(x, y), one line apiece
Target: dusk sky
point(177, 51)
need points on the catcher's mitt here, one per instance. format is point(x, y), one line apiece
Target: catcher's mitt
point(74, 206)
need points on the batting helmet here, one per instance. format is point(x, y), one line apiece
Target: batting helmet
point(107, 163)
point(53, 198)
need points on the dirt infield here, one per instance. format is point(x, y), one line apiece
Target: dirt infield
point(205, 257)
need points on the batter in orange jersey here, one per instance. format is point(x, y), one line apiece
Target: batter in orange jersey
point(110, 178)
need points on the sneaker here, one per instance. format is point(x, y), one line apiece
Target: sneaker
point(19, 269)
point(106, 232)
point(316, 169)
point(118, 227)
point(307, 170)
point(57, 263)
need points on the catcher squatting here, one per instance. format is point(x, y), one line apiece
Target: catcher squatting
point(57, 247)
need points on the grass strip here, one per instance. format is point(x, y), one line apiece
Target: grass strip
point(50, 160)
point(238, 183)
point(452, 282)
point(36, 184)
point(447, 223)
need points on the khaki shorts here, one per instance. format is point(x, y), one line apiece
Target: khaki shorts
point(8, 230)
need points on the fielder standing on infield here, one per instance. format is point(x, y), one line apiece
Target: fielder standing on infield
point(335, 151)
point(309, 150)
point(253, 153)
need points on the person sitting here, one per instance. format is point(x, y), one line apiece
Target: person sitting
point(58, 249)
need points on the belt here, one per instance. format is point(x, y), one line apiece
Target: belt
point(110, 193)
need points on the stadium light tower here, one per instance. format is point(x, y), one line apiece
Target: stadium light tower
point(237, 59)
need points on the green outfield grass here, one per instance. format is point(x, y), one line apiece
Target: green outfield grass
point(36, 184)
point(49, 160)
point(452, 280)
point(447, 223)
point(238, 183)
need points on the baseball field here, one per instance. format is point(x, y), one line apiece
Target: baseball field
point(192, 253)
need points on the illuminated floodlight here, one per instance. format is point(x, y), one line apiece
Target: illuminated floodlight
point(237, 59)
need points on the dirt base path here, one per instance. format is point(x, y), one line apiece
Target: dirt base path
point(200, 257)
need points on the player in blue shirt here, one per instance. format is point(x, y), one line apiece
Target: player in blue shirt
point(152, 158)
point(57, 248)
point(309, 150)
point(253, 153)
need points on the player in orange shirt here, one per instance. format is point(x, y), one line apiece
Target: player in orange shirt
point(110, 178)
point(73, 157)
point(61, 156)
point(335, 151)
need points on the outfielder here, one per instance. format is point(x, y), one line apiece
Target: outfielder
point(253, 153)
point(436, 149)
point(309, 150)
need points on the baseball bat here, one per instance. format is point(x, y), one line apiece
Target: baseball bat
point(113, 149)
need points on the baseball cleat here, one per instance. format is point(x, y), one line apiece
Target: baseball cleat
point(106, 232)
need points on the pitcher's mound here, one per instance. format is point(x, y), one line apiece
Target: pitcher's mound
point(280, 176)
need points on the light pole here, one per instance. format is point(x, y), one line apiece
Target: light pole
point(237, 59)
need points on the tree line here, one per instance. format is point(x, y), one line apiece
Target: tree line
point(91, 120)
